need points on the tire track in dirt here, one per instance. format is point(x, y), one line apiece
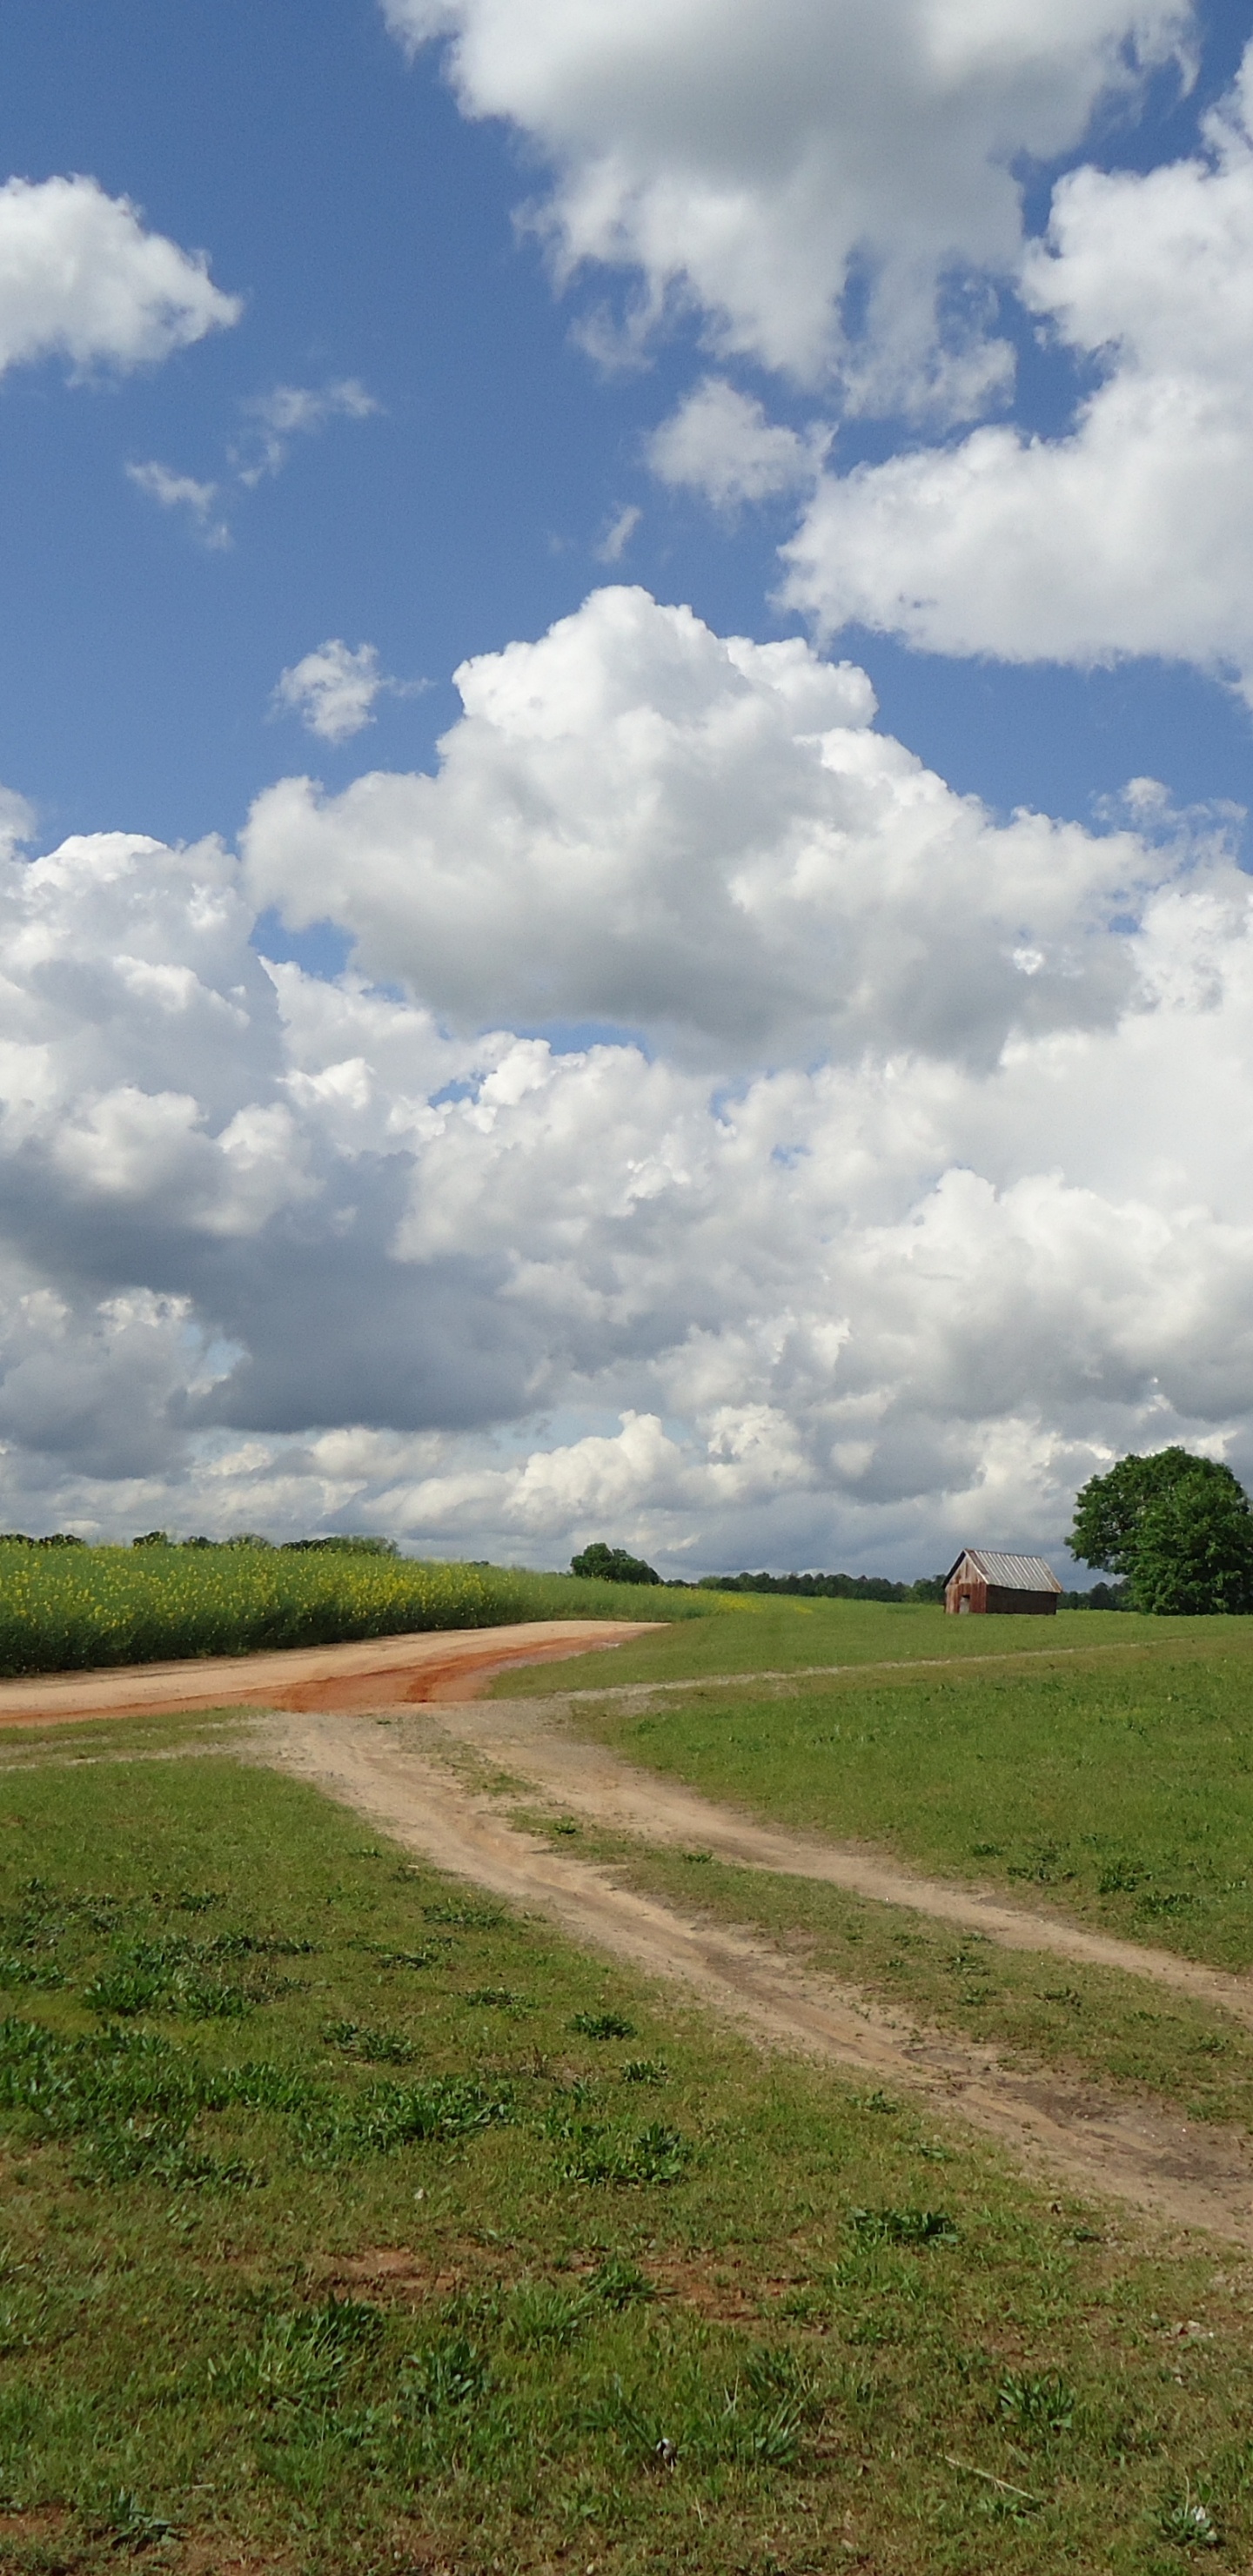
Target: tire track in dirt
point(1174, 2169)
point(527, 1736)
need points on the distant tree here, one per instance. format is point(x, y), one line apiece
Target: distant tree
point(612, 1565)
point(829, 1587)
point(343, 1546)
point(1176, 1526)
point(153, 1538)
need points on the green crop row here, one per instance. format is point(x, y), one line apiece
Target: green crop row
point(73, 1609)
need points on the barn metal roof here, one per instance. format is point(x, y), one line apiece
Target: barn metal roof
point(1009, 1573)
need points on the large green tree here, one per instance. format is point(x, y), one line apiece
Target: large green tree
point(1178, 1527)
point(612, 1565)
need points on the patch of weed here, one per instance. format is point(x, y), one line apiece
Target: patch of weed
point(603, 2025)
point(375, 2047)
point(903, 2226)
point(620, 2284)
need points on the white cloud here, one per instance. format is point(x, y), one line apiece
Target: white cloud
point(333, 689)
point(721, 444)
point(750, 157)
point(173, 491)
point(618, 535)
point(639, 821)
point(1133, 533)
point(81, 279)
point(279, 1252)
point(295, 411)
point(290, 411)
point(17, 821)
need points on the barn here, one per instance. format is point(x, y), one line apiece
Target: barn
point(984, 1580)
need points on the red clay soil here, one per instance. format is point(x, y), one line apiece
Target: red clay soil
point(451, 1664)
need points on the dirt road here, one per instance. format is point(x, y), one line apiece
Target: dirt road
point(388, 1728)
point(396, 1770)
point(391, 1670)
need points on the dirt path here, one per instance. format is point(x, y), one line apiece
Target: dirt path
point(528, 1737)
point(377, 1669)
point(391, 1773)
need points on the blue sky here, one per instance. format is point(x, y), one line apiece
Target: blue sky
point(391, 430)
point(370, 229)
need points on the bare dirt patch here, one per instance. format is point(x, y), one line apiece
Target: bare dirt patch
point(400, 2273)
point(397, 1670)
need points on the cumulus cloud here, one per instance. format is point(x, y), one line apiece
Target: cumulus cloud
point(1131, 534)
point(721, 444)
point(282, 1252)
point(333, 689)
point(81, 279)
point(641, 822)
point(752, 158)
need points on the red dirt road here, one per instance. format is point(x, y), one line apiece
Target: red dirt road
point(452, 1663)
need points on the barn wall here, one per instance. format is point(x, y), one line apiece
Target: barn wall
point(1029, 1605)
point(975, 1588)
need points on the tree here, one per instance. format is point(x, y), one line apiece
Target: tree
point(612, 1565)
point(1194, 1551)
point(1178, 1527)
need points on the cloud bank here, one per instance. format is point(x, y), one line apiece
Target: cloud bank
point(891, 1239)
point(752, 159)
point(641, 822)
point(837, 198)
point(1134, 532)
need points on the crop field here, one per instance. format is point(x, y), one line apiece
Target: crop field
point(70, 1609)
point(358, 2225)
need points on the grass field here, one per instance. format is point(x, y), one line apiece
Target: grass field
point(764, 1633)
point(352, 2225)
point(1103, 1766)
point(73, 1609)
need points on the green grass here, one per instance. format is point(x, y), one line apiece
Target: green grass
point(369, 2271)
point(1092, 2024)
point(761, 1633)
point(79, 1608)
point(1114, 1787)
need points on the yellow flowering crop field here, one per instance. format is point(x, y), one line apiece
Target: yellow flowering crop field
point(72, 1609)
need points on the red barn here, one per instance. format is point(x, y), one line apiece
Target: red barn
point(982, 1580)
